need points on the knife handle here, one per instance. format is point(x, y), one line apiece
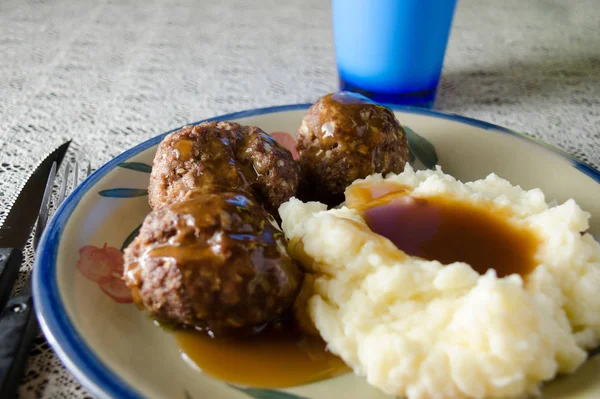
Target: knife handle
point(18, 328)
point(10, 263)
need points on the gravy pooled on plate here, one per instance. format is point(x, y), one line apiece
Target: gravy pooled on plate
point(445, 229)
point(279, 356)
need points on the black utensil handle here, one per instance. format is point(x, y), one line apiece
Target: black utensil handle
point(10, 263)
point(18, 327)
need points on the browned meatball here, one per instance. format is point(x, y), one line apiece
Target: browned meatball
point(220, 156)
point(215, 263)
point(345, 136)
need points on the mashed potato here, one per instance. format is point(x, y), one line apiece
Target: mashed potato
point(420, 329)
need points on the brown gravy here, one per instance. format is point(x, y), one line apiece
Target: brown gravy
point(279, 356)
point(445, 229)
point(184, 149)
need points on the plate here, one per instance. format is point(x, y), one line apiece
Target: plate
point(115, 350)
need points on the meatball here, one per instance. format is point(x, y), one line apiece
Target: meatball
point(214, 263)
point(220, 156)
point(345, 136)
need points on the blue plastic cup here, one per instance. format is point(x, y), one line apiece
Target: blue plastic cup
point(392, 51)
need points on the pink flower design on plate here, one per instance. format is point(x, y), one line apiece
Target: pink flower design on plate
point(104, 266)
point(286, 140)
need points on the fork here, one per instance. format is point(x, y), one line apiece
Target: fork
point(17, 320)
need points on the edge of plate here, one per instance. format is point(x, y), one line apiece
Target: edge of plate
point(61, 334)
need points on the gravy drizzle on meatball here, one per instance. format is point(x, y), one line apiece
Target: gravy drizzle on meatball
point(213, 263)
point(343, 137)
point(219, 156)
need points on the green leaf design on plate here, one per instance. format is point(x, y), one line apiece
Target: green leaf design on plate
point(258, 393)
point(422, 149)
point(130, 237)
point(123, 192)
point(411, 156)
point(139, 166)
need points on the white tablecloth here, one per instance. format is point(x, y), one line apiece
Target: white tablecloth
point(109, 74)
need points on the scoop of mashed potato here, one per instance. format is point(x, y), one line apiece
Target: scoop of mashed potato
point(420, 329)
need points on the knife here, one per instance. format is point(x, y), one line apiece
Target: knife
point(18, 223)
point(18, 325)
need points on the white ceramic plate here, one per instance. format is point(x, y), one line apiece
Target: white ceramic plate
point(115, 350)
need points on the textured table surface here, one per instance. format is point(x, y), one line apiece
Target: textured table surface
point(110, 74)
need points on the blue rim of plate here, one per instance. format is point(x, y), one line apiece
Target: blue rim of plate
point(62, 335)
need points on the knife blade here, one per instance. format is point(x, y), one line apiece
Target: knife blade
point(18, 325)
point(17, 226)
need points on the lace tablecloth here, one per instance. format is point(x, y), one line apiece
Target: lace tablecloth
point(110, 74)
